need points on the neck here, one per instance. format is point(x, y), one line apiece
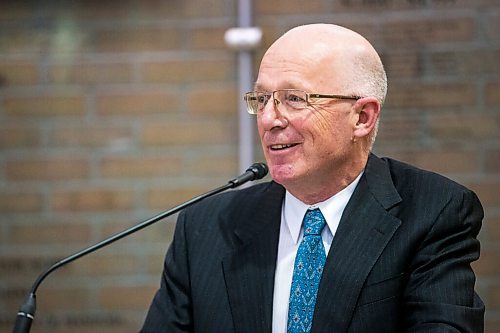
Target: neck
point(313, 191)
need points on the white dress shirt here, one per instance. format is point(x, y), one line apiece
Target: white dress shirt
point(291, 231)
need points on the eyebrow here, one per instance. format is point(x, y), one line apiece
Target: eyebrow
point(258, 87)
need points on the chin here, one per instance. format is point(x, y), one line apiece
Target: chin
point(282, 174)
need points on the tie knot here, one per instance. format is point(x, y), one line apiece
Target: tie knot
point(314, 222)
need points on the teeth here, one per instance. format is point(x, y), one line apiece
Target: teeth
point(280, 146)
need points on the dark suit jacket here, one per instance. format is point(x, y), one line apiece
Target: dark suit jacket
point(399, 261)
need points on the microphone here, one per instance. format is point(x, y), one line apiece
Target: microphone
point(26, 313)
point(254, 172)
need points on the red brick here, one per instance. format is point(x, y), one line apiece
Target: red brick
point(184, 133)
point(12, 297)
point(464, 63)
point(491, 325)
point(464, 3)
point(102, 136)
point(142, 166)
point(180, 9)
point(446, 162)
point(45, 106)
point(137, 39)
point(18, 73)
point(168, 198)
point(47, 169)
point(203, 9)
point(288, 7)
point(488, 263)
point(88, 73)
point(137, 103)
point(488, 192)
point(465, 126)
point(16, 10)
point(164, 10)
point(19, 41)
point(105, 264)
point(493, 94)
point(155, 264)
point(492, 161)
point(401, 64)
point(20, 202)
point(214, 165)
point(84, 322)
point(92, 200)
point(20, 266)
point(161, 232)
point(494, 298)
point(374, 5)
point(216, 100)
point(12, 136)
point(208, 38)
point(188, 71)
point(126, 298)
point(425, 31)
point(101, 10)
point(56, 298)
point(491, 228)
point(492, 26)
point(431, 95)
point(397, 128)
point(50, 233)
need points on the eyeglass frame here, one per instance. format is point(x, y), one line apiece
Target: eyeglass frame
point(308, 95)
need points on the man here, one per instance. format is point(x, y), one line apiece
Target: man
point(393, 244)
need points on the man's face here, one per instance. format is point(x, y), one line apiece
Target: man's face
point(305, 147)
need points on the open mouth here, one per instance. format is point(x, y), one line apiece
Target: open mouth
point(282, 146)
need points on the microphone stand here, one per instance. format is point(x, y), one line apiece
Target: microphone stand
point(27, 310)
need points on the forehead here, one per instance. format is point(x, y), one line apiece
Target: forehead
point(282, 80)
point(297, 65)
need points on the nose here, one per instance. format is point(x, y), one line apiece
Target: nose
point(271, 116)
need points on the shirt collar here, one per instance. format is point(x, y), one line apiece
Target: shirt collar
point(332, 209)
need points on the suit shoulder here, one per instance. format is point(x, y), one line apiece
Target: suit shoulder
point(237, 200)
point(407, 177)
point(426, 195)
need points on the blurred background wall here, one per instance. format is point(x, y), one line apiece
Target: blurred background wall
point(112, 111)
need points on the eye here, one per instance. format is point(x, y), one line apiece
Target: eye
point(263, 98)
point(295, 98)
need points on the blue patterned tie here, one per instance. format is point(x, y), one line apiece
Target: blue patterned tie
point(307, 271)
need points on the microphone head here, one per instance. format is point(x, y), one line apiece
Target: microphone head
point(259, 169)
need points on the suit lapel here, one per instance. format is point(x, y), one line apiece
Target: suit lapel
point(364, 230)
point(249, 269)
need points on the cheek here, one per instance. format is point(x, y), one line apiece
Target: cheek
point(323, 128)
point(259, 126)
point(330, 134)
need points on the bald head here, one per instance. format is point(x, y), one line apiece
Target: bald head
point(339, 60)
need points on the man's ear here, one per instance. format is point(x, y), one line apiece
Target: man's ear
point(368, 111)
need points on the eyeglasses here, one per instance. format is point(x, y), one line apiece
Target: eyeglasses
point(292, 99)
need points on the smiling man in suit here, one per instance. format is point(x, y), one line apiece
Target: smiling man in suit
point(340, 240)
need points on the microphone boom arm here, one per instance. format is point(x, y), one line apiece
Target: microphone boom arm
point(27, 310)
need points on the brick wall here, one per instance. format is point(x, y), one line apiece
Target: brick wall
point(112, 111)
